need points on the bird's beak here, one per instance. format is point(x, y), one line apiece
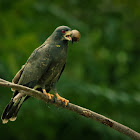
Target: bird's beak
point(73, 36)
point(67, 35)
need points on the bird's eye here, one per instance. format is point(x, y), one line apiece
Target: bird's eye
point(63, 31)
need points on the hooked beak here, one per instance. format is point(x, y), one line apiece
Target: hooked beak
point(67, 35)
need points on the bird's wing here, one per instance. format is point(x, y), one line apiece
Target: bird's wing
point(35, 67)
point(18, 75)
point(61, 71)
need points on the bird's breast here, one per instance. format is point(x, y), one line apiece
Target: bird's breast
point(59, 55)
point(52, 74)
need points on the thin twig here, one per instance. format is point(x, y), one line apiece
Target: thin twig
point(75, 108)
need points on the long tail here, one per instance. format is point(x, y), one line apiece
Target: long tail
point(11, 110)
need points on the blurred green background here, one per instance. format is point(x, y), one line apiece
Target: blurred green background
point(102, 71)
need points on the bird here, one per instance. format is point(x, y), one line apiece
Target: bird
point(42, 70)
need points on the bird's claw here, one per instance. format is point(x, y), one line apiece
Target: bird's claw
point(62, 99)
point(50, 96)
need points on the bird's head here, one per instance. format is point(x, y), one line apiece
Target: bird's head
point(65, 33)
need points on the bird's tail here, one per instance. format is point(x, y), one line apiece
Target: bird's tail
point(11, 110)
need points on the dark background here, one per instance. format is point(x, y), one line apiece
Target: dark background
point(102, 71)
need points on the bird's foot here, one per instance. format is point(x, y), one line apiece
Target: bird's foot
point(62, 99)
point(48, 94)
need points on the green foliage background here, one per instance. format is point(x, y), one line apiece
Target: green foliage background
point(102, 71)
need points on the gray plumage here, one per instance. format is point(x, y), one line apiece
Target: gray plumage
point(42, 70)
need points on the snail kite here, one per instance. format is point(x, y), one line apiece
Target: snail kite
point(43, 69)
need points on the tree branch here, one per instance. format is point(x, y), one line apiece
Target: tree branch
point(75, 108)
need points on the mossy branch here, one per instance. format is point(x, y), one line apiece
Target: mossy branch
point(75, 108)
